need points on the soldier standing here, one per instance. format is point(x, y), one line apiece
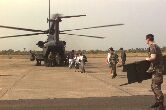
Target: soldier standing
point(77, 63)
point(82, 62)
point(122, 56)
point(71, 59)
point(156, 68)
point(112, 59)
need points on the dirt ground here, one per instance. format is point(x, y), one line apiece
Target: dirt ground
point(29, 87)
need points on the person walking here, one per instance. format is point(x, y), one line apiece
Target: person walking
point(112, 60)
point(122, 56)
point(77, 63)
point(82, 62)
point(156, 69)
point(71, 59)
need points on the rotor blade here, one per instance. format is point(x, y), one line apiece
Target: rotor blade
point(93, 27)
point(24, 29)
point(20, 35)
point(84, 35)
point(71, 16)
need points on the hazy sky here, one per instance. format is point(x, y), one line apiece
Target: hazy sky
point(139, 16)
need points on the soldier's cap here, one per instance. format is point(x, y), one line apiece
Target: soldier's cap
point(111, 49)
point(150, 37)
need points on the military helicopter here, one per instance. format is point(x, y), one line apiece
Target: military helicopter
point(53, 49)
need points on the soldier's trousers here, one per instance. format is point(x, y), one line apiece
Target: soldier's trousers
point(156, 88)
point(113, 68)
point(82, 66)
point(114, 71)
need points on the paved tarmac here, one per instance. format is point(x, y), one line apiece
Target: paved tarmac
point(27, 87)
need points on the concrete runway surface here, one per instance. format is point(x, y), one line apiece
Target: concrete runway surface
point(24, 86)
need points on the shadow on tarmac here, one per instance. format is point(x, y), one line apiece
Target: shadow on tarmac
point(92, 103)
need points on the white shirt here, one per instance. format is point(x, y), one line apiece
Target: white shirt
point(81, 58)
point(77, 59)
point(108, 57)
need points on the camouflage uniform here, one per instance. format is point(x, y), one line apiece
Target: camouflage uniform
point(157, 74)
point(113, 60)
point(123, 57)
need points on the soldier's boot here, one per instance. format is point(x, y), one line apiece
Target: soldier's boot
point(114, 75)
point(161, 106)
point(155, 105)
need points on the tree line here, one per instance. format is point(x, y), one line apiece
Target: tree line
point(132, 50)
